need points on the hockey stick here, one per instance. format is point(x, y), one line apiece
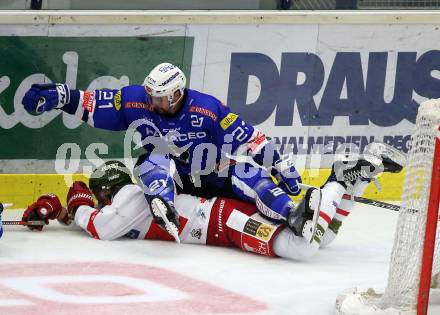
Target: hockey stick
point(375, 203)
point(367, 201)
point(30, 223)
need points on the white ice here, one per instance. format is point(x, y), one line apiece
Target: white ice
point(358, 257)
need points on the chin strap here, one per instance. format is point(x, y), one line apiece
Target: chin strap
point(170, 99)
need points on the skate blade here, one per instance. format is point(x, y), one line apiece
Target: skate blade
point(159, 209)
point(380, 149)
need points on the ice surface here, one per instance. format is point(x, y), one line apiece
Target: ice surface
point(358, 257)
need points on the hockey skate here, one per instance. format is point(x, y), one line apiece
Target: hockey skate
point(166, 216)
point(303, 217)
point(377, 158)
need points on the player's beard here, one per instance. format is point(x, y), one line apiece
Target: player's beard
point(160, 111)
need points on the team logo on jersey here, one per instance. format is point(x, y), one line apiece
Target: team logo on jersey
point(117, 100)
point(196, 233)
point(228, 120)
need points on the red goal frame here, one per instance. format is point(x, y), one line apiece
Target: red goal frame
point(430, 234)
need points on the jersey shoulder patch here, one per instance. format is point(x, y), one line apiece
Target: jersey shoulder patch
point(228, 120)
point(203, 104)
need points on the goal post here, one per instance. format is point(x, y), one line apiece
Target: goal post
point(431, 233)
point(415, 256)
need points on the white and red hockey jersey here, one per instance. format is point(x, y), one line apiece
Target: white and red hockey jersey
point(129, 215)
point(217, 221)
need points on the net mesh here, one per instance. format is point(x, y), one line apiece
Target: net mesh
point(404, 273)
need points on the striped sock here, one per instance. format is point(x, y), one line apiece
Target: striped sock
point(331, 192)
point(343, 210)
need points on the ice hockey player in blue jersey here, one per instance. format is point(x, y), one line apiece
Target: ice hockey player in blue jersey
point(203, 132)
point(195, 132)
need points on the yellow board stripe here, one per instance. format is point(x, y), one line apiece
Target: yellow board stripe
point(391, 183)
point(23, 189)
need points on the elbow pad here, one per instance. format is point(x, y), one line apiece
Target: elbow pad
point(155, 177)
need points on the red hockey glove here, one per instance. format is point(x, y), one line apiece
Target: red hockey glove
point(79, 195)
point(46, 208)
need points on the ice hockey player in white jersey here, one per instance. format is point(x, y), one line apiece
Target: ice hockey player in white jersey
point(122, 210)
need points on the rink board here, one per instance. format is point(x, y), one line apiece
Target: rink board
point(24, 189)
point(309, 80)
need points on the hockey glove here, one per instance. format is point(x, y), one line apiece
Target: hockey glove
point(46, 208)
point(288, 177)
point(79, 195)
point(45, 97)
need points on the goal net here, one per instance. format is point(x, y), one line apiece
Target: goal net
point(415, 257)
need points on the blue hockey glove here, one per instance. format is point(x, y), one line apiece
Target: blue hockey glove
point(288, 177)
point(45, 97)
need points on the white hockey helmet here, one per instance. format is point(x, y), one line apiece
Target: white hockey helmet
point(164, 80)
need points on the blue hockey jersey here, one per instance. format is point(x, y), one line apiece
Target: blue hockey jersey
point(199, 135)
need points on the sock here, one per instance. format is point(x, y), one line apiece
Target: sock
point(343, 210)
point(332, 193)
point(290, 246)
